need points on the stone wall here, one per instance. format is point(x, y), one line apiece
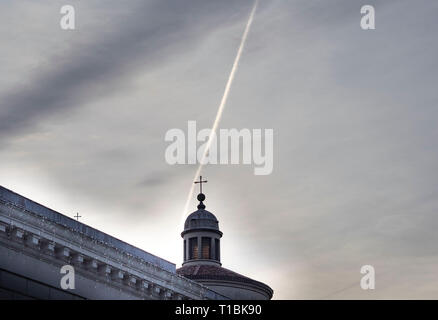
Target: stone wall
point(35, 242)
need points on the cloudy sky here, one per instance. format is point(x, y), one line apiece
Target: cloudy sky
point(83, 115)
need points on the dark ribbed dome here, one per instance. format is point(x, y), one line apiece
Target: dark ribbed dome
point(201, 219)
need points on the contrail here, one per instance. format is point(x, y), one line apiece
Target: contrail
point(222, 104)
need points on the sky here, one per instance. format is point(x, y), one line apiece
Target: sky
point(84, 113)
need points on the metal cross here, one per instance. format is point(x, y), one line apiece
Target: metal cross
point(200, 182)
point(77, 216)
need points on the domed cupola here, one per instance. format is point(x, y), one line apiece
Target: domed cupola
point(201, 219)
point(201, 236)
point(202, 261)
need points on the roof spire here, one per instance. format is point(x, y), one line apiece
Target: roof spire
point(200, 183)
point(201, 196)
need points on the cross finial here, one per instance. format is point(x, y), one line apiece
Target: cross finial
point(77, 216)
point(200, 183)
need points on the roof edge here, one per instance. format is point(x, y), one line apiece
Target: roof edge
point(17, 200)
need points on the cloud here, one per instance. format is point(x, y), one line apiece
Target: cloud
point(147, 34)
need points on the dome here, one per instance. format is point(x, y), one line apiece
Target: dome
point(202, 262)
point(201, 219)
point(227, 282)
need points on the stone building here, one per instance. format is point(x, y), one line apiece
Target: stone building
point(36, 242)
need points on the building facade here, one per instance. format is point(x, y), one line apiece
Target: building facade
point(37, 242)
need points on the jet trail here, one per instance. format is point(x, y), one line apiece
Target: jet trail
point(222, 104)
